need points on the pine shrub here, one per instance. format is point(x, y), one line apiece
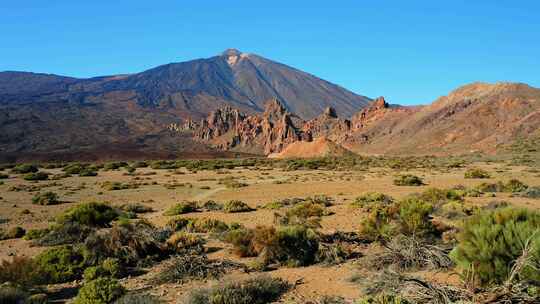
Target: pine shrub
point(490, 242)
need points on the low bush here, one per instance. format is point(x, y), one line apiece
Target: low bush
point(112, 186)
point(13, 294)
point(512, 186)
point(408, 180)
point(21, 271)
point(60, 264)
point(90, 214)
point(258, 290)
point(291, 245)
point(414, 217)
point(410, 252)
point(130, 243)
point(303, 214)
point(182, 242)
point(210, 206)
point(198, 225)
point(531, 192)
point(135, 208)
point(87, 172)
point(378, 225)
point(34, 234)
point(24, 169)
point(12, 233)
point(61, 234)
point(3, 176)
point(46, 198)
point(182, 208)
point(476, 173)
point(36, 176)
point(110, 267)
point(102, 290)
point(438, 197)
point(187, 267)
point(114, 165)
point(234, 206)
point(372, 200)
point(491, 241)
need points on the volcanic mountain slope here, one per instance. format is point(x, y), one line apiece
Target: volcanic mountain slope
point(46, 113)
point(475, 117)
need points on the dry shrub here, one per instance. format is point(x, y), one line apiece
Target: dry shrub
point(412, 290)
point(372, 200)
point(131, 243)
point(234, 206)
point(20, 270)
point(199, 225)
point(183, 242)
point(193, 267)
point(404, 252)
point(291, 245)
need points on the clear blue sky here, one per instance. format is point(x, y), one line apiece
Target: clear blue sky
point(409, 51)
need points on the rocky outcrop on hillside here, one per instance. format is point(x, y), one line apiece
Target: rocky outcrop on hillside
point(269, 132)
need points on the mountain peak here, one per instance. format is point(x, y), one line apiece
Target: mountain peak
point(231, 52)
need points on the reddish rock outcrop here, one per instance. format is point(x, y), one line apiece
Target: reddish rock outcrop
point(266, 133)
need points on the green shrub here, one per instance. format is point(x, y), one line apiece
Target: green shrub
point(198, 225)
point(408, 180)
point(102, 290)
point(75, 168)
point(437, 197)
point(234, 206)
point(89, 214)
point(114, 165)
point(110, 267)
point(414, 217)
point(112, 186)
point(304, 214)
point(258, 290)
point(490, 242)
point(36, 176)
point(47, 198)
point(182, 208)
point(24, 169)
point(370, 200)
point(378, 225)
point(87, 172)
point(476, 173)
point(34, 234)
point(4, 176)
point(60, 264)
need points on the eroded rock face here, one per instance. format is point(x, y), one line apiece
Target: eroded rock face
point(268, 132)
point(374, 111)
point(276, 128)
